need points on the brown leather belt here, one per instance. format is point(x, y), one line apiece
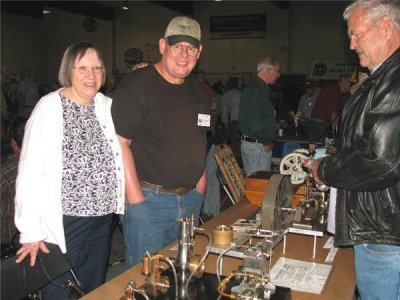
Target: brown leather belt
point(179, 191)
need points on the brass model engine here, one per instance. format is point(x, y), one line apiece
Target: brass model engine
point(185, 267)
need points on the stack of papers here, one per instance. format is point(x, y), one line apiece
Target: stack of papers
point(300, 275)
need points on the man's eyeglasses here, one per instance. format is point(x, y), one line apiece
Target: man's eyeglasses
point(86, 69)
point(178, 48)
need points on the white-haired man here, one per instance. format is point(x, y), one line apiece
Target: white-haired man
point(257, 118)
point(366, 167)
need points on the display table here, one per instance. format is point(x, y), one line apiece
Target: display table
point(340, 284)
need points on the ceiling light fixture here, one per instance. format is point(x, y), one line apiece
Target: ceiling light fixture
point(125, 5)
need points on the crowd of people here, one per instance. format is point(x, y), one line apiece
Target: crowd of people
point(137, 148)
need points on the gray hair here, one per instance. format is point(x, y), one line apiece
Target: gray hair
point(73, 52)
point(374, 10)
point(267, 63)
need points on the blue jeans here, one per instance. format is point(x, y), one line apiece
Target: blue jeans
point(255, 158)
point(377, 271)
point(153, 223)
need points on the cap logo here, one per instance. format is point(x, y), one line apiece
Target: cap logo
point(184, 28)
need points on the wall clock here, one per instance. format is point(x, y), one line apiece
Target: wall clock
point(90, 24)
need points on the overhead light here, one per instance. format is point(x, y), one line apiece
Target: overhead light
point(46, 11)
point(125, 5)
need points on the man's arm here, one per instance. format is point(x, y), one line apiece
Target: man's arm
point(201, 184)
point(133, 190)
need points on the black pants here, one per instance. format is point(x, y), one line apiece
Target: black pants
point(88, 242)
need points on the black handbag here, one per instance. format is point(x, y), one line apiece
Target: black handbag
point(21, 280)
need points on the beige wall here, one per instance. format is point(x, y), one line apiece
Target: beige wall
point(317, 33)
point(22, 40)
point(297, 37)
point(63, 28)
point(239, 55)
point(140, 27)
point(38, 44)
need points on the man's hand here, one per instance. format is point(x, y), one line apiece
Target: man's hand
point(32, 250)
point(314, 171)
point(268, 148)
point(201, 184)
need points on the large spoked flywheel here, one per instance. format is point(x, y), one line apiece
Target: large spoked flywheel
point(278, 195)
point(291, 164)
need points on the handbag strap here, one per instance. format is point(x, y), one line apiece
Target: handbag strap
point(63, 286)
point(42, 266)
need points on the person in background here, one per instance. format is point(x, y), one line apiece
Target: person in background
point(211, 98)
point(134, 59)
point(220, 88)
point(306, 103)
point(326, 107)
point(70, 176)
point(257, 119)
point(109, 85)
point(246, 77)
point(201, 75)
point(230, 109)
point(4, 110)
point(161, 118)
point(366, 167)
point(9, 171)
point(27, 94)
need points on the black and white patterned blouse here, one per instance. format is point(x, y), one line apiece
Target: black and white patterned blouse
point(89, 181)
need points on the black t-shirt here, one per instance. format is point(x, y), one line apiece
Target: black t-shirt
point(160, 118)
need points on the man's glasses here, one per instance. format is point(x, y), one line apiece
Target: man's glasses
point(178, 48)
point(86, 69)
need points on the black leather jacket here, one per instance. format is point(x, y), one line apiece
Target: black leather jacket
point(366, 168)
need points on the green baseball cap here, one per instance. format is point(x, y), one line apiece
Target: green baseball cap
point(183, 29)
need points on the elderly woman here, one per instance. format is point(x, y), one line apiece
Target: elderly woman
point(70, 178)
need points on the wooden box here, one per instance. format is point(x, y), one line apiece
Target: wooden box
point(255, 186)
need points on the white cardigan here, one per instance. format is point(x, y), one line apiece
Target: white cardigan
point(38, 209)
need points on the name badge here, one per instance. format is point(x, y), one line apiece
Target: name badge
point(203, 120)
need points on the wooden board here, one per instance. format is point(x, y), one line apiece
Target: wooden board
point(230, 170)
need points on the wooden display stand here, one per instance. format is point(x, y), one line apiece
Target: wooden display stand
point(340, 284)
point(230, 170)
point(252, 187)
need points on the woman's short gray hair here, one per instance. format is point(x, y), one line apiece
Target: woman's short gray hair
point(73, 52)
point(374, 10)
point(267, 63)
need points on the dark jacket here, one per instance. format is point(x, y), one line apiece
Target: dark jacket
point(366, 168)
point(256, 112)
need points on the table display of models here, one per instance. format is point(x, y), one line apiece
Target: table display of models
point(184, 277)
point(290, 202)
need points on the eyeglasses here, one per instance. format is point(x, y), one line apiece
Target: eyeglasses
point(277, 70)
point(86, 69)
point(178, 48)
